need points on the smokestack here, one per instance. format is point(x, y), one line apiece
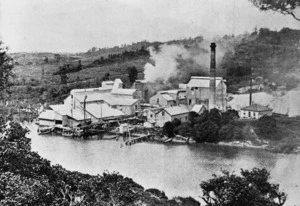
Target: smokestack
point(212, 100)
point(213, 59)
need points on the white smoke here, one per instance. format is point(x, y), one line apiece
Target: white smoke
point(165, 62)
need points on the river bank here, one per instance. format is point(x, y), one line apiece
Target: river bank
point(176, 169)
point(281, 148)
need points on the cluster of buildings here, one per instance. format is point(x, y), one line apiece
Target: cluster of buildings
point(107, 103)
point(111, 102)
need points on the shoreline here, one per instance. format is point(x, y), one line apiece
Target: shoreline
point(240, 144)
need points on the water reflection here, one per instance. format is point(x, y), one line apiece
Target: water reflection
point(176, 169)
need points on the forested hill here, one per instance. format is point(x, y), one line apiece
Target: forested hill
point(271, 54)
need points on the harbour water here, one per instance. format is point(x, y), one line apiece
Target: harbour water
point(176, 169)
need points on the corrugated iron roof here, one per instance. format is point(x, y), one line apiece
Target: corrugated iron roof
point(172, 91)
point(123, 91)
point(167, 97)
point(203, 82)
point(197, 108)
point(120, 101)
point(61, 109)
point(47, 114)
point(256, 108)
point(91, 97)
point(103, 111)
point(176, 110)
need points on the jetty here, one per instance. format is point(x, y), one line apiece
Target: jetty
point(138, 138)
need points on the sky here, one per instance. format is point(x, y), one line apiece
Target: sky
point(78, 25)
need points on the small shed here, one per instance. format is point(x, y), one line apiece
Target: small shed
point(255, 111)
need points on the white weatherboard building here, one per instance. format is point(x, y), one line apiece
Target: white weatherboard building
point(159, 116)
point(287, 104)
point(255, 111)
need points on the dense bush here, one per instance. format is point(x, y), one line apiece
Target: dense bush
point(250, 189)
point(210, 126)
point(267, 128)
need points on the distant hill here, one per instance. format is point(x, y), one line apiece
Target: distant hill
point(273, 55)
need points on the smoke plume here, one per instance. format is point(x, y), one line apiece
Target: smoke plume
point(175, 62)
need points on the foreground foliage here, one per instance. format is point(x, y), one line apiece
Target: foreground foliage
point(28, 179)
point(250, 189)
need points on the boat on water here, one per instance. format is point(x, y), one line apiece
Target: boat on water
point(44, 130)
point(110, 137)
point(67, 133)
point(167, 139)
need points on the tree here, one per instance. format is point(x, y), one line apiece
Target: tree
point(6, 66)
point(132, 74)
point(168, 129)
point(206, 132)
point(57, 57)
point(192, 117)
point(106, 76)
point(286, 7)
point(229, 116)
point(252, 188)
point(215, 116)
point(63, 73)
point(185, 129)
point(79, 66)
point(267, 127)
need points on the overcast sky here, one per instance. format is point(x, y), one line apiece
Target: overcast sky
point(78, 25)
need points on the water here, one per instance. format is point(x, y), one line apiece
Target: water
point(176, 169)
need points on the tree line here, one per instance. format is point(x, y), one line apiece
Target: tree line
point(120, 57)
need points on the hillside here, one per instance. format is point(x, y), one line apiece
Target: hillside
point(272, 55)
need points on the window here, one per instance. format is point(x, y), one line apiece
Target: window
point(190, 101)
point(151, 115)
point(163, 113)
point(157, 101)
point(136, 107)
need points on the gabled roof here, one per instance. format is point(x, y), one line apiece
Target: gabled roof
point(47, 114)
point(173, 91)
point(256, 108)
point(203, 82)
point(103, 111)
point(198, 107)
point(120, 101)
point(176, 110)
point(91, 97)
point(61, 109)
point(90, 90)
point(156, 110)
point(167, 97)
point(123, 91)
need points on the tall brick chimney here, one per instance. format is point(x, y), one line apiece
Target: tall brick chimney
point(212, 85)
